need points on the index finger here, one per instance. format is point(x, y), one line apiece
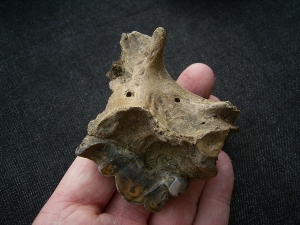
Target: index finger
point(198, 78)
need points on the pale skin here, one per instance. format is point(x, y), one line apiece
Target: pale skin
point(85, 196)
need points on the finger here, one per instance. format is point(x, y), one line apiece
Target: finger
point(84, 184)
point(180, 210)
point(198, 78)
point(125, 212)
point(214, 98)
point(214, 204)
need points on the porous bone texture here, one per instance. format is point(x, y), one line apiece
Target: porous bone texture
point(154, 136)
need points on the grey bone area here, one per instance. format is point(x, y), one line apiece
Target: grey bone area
point(135, 184)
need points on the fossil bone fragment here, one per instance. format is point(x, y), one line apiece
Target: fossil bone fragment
point(154, 136)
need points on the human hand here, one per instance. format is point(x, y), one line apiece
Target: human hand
point(85, 196)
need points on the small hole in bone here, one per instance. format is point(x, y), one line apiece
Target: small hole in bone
point(177, 100)
point(129, 94)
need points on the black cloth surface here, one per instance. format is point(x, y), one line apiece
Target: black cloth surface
point(54, 57)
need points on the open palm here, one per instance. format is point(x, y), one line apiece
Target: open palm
point(85, 196)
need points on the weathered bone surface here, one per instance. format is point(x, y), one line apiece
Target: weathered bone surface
point(154, 136)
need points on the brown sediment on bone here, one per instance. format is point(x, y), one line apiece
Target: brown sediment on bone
point(154, 136)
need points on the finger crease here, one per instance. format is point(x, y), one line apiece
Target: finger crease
point(217, 198)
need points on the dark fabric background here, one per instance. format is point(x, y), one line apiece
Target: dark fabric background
point(54, 57)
